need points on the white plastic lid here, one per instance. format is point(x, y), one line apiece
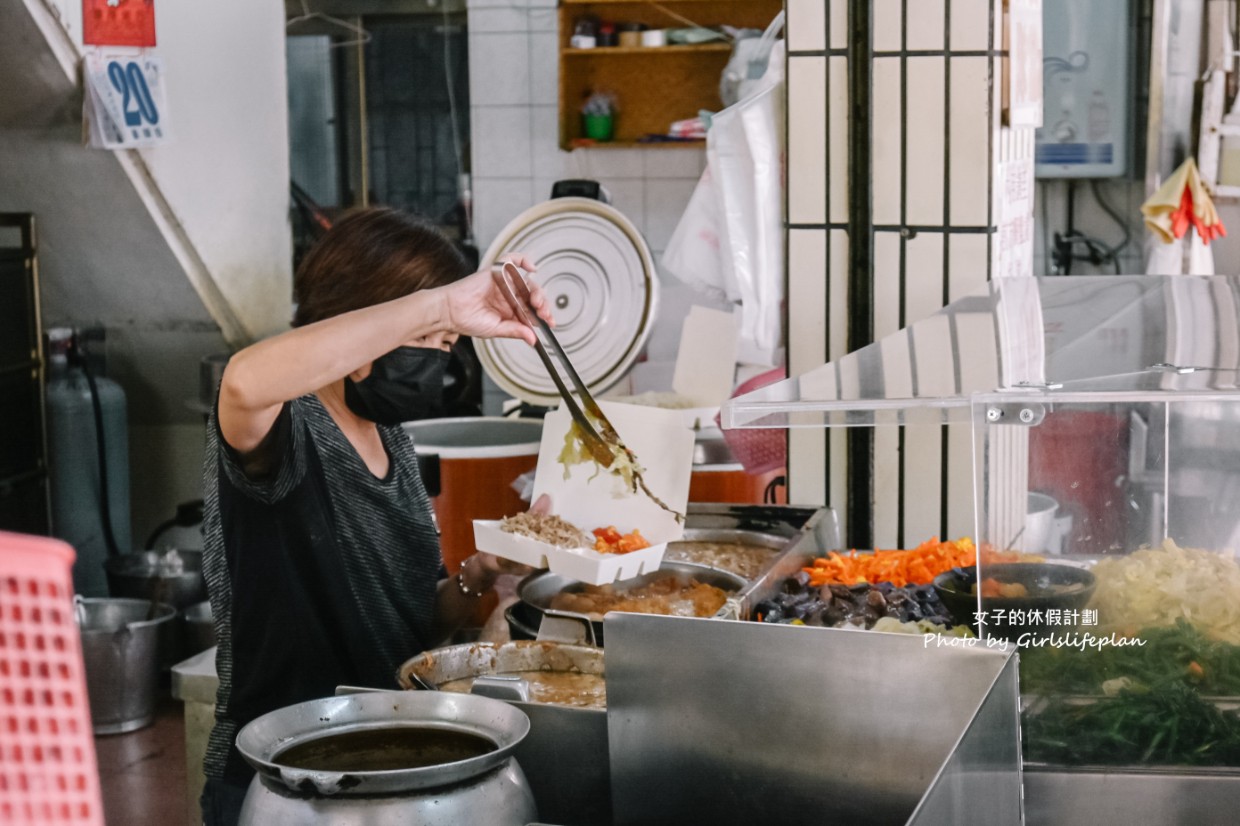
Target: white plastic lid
point(600, 276)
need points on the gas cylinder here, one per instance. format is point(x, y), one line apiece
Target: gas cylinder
point(74, 464)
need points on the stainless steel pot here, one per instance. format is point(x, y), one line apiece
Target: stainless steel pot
point(484, 659)
point(485, 790)
point(538, 590)
point(565, 757)
point(173, 577)
point(771, 541)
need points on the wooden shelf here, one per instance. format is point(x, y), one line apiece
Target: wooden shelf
point(638, 2)
point(648, 51)
point(634, 144)
point(675, 83)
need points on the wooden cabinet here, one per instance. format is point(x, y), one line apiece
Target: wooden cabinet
point(655, 85)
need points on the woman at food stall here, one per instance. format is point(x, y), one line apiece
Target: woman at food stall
point(321, 555)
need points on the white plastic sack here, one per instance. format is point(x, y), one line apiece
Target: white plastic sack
point(1162, 258)
point(1200, 256)
point(744, 150)
point(748, 63)
point(729, 241)
point(694, 252)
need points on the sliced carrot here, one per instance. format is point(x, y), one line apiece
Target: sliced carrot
point(918, 566)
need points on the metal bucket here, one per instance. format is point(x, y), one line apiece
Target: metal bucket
point(171, 577)
point(120, 647)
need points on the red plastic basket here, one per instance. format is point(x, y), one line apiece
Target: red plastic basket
point(759, 450)
point(48, 773)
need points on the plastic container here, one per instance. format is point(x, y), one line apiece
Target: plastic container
point(598, 127)
point(759, 450)
point(576, 563)
point(654, 37)
point(120, 646)
point(584, 496)
point(48, 773)
point(630, 34)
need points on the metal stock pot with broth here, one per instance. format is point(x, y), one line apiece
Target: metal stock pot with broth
point(389, 757)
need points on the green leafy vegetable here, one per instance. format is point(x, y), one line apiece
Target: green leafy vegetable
point(1169, 724)
point(1177, 653)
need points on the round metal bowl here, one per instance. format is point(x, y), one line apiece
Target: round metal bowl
point(954, 588)
point(538, 590)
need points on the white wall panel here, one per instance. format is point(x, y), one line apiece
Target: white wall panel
point(927, 115)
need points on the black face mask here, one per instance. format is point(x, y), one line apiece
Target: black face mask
point(404, 385)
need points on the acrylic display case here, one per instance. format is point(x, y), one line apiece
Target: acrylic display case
point(1105, 419)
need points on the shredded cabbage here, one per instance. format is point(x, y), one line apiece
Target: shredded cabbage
point(623, 464)
point(575, 452)
point(891, 625)
point(1157, 586)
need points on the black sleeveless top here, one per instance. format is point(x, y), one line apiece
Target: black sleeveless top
point(319, 574)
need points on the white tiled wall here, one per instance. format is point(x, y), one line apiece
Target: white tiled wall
point(513, 86)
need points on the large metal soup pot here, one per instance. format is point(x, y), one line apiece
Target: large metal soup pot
point(391, 757)
point(537, 591)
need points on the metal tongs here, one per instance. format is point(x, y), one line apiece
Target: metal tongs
point(602, 441)
point(512, 284)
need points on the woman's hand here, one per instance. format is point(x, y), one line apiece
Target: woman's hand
point(475, 305)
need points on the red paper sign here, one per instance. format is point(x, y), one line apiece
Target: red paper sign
point(118, 22)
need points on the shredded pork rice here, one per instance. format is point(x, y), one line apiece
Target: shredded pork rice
point(546, 527)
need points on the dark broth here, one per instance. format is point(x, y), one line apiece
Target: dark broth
point(384, 749)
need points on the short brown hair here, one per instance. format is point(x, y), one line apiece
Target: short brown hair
point(371, 256)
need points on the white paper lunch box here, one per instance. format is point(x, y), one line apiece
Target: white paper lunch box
point(593, 498)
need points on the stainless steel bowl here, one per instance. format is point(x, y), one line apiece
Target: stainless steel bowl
point(485, 659)
point(538, 590)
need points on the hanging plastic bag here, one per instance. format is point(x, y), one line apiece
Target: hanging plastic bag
point(1183, 256)
point(744, 151)
point(729, 242)
point(748, 62)
point(694, 253)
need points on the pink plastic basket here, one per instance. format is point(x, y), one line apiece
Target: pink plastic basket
point(48, 773)
point(759, 450)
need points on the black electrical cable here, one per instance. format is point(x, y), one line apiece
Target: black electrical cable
point(105, 508)
point(768, 495)
point(163, 526)
point(1115, 216)
point(1099, 253)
